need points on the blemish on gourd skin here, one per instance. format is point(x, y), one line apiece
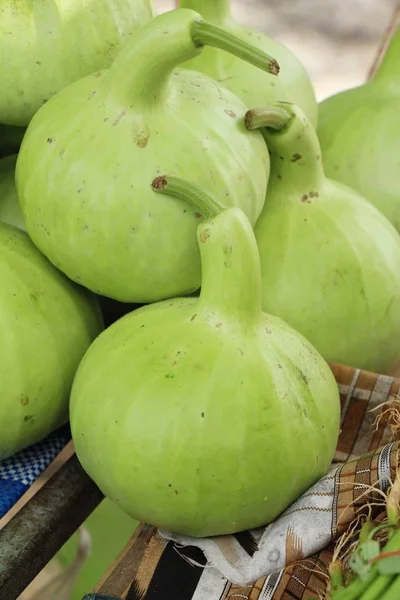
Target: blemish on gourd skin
point(142, 142)
point(296, 157)
point(305, 198)
point(230, 113)
point(117, 120)
point(204, 236)
point(29, 418)
point(24, 400)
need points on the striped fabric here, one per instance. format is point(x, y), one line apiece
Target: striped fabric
point(287, 560)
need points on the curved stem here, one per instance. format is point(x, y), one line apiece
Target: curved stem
point(190, 192)
point(273, 117)
point(205, 34)
point(231, 272)
point(293, 145)
point(141, 73)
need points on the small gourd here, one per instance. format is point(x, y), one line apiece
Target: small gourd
point(359, 132)
point(10, 211)
point(47, 324)
point(44, 46)
point(205, 416)
point(330, 261)
point(84, 167)
point(253, 87)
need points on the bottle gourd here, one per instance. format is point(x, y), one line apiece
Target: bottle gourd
point(44, 46)
point(103, 138)
point(191, 413)
point(330, 260)
point(359, 132)
point(47, 324)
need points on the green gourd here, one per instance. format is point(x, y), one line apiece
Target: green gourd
point(192, 414)
point(47, 324)
point(10, 211)
point(103, 138)
point(359, 132)
point(330, 261)
point(45, 46)
point(10, 139)
point(253, 87)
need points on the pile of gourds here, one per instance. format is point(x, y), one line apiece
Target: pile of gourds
point(175, 161)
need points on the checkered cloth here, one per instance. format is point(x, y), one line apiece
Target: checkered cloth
point(18, 472)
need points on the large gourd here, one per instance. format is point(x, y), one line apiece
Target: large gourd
point(330, 260)
point(10, 211)
point(191, 414)
point(47, 324)
point(359, 132)
point(103, 138)
point(45, 46)
point(253, 87)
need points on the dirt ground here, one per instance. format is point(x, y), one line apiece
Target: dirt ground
point(335, 39)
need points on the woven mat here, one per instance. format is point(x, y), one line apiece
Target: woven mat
point(155, 568)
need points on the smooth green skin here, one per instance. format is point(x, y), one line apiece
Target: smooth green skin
point(47, 323)
point(330, 261)
point(359, 132)
point(10, 139)
point(252, 86)
point(44, 46)
point(206, 417)
point(10, 211)
point(86, 165)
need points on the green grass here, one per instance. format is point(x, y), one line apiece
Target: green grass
point(110, 529)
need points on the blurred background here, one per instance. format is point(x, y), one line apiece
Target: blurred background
point(336, 40)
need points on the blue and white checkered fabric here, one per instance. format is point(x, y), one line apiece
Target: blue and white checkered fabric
point(19, 472)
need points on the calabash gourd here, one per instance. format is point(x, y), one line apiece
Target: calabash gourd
point(103, 138)
point(192, 414)
point(253, 87)
point(45, 46)
point(10, 139)
point(330, 261)
point(10, 211)
point(359, 132)
point(47, 324)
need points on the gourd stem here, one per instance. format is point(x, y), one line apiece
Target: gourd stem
point(231, 273)
point(141, 73)
point(190, 192)
point(273, 117)
point(388, 71)
point(293, 146)
point(214, 11)
point(205, 34)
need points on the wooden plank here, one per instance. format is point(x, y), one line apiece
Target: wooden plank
point(119, 576)
point(39, 529)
